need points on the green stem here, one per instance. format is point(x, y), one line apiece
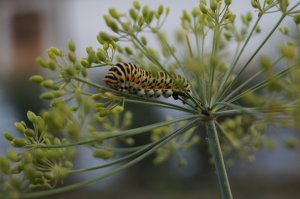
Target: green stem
point(131, 96)
point(233, 65)
point(218, 160)
point(123, 133)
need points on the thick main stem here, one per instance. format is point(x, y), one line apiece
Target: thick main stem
point(219, 161)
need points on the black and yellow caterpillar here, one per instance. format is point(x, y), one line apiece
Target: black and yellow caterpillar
point(129, 78)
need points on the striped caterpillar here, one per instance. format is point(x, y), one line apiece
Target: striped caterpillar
point(129, 78)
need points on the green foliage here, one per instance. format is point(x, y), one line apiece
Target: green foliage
point(234, 110)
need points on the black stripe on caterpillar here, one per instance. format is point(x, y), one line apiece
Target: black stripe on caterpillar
point(129, 78)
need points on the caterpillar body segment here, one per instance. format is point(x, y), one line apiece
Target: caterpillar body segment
point(129, 78)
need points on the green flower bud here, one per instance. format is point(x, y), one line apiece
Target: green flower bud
point(31, 116)
point(213, 5)
point(57, 51)
point(101, 54)
point(105, 36)
point(297, 19)
point(130, 141)
point(167, 11)
point(18, 142)
point(30, 172)
point(48, 176)
point(150, 17)
point(186, 16)
point(141, 21)
point(84, 62)
point(103, 113)
point(29, 133)
point(49, 84)
point(92, 57)
point(27, 157)
point(4, 165)
point(70, 71)
point(146, 12)
point(283, 4)
point(196, 12)
point(249, 16)
point(13, 156)
point(59, 172)
point(284, 30)
point(127, 119)
point(97, 96)
point(68, 164)
point(47, 96)
point(107, 19)
point(258, 29)
point(8, 136)
point(289, 51)
point(254, 3)
point(103, 153)
point(203, 8)
point(114, 26)
point(161, 158)
point(160, 10)
point(137, 5)
point(114, 13)
point(59, 93)
point(232, 18)
point(133, 14)
point(251, 159)
point(84, 72)
point(266, 63)
point(42, 62)
point(291, 143)
point(20, 127)
point(36, 79)
point(99, 105)
point(51, 54)
point(118, 109)
point(72, 56)
point(128, 50)
point(144, 40)
point(71, 46)
point(57, 141)
point(228, 2)
point(52, 65)
point(227, 36)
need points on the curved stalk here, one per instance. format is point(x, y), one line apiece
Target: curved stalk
point(108, 135)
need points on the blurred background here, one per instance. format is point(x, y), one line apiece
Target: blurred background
point(28, 28)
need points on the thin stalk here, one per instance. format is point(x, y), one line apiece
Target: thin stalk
point(261, 45)
point(111, 163)
point(233, 65)
point(228, 96)
point(152, 102)
point(254, 112)
point(213, 66)
point(232, 112)
point(255, 53)
point(149, 151)
point(264, 83)
point(179, 108)
point(108, 135)
point(218, 160)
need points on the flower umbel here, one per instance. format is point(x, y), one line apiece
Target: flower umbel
point(234, 110)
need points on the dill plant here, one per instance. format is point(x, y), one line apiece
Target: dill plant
point(235, 112)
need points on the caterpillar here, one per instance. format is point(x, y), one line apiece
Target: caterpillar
point(129, 78)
